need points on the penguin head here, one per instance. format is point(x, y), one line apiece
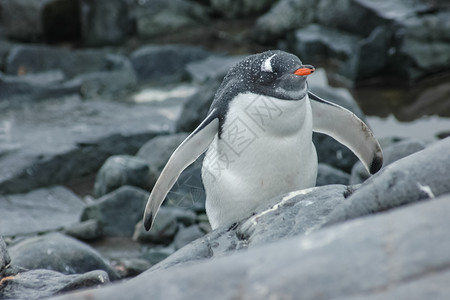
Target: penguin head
point(272, 73)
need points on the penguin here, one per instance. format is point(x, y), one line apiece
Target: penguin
point(257, 137)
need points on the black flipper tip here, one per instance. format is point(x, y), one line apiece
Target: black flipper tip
point(148, 220)
point(376, 164)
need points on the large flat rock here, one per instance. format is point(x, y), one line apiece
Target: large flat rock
point(377, 255)
point(39, 211)
point(55, 141)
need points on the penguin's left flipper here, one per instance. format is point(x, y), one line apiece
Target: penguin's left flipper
point(188, 151)
point(345, 127)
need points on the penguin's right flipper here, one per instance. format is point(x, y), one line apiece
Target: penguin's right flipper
point(345, 127)
point(188, 151)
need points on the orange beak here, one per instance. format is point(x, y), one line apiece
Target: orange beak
point(305, 70)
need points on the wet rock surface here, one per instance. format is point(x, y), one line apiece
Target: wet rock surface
point(29, 213)
point(60, 253)
point(325, 257)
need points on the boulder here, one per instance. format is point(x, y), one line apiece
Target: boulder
point(296, 213)
point(16, 90)
point(166, 225)
point(163, 229)
point(328, 175)
point(283, 17)
point(120, 170)
point(59, 253)
point(116, 79)
point(360, 57)
point(74, 140)
point(25, 59)
point(118, 212)
point(354, 260)
point(104, 22)
point(88, 230)
point(23, 214)
point(164, 64)
point(156, 152)
point(161, 17)
point(419, 176)
point(38, 20)
point(196, 108)
point(212, 67)
point(186, 235)
point(242, 8)
point(391, 154)
point(37, 284)
point(130, 267)
point(314, 42)
point(423, 45)
point(157, 254)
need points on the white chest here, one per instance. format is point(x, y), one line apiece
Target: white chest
point(265, 150)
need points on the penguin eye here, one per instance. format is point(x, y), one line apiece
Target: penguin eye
point(266, 78)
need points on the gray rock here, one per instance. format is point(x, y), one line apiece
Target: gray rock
point(120, 170)
point(163, 230)
point(242, 8)
point(22, 214)
point(158, 17)
point(104, 22)
point(213, 67)
point(26, 59)
point(296, 213)
point(59, 253)
point(164, 64)
point(360, 57)
point(318, 266)
point(329, 175)
point(196, 108)
point(50, 20)
point(419, 176)
point(88, 230)
point(157, 254)
point(119, 211)
point(166, 225)
point(116, 79)
point(75, 139)
point(423, 45)
point(15, 90)
point(131, 267)
point(37, 284)
point(405, 36)
point(186, 235)
point(315, 41)
point(158, 150)
point(391, 154)
point(370, 57)
point(283, 17)
point(4, 257)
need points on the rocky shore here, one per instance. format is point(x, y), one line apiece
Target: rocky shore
point(86, 129)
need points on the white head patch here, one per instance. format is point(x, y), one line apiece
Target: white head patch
point(266, 66)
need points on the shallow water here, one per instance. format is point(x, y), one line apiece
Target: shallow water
point(421, 110)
